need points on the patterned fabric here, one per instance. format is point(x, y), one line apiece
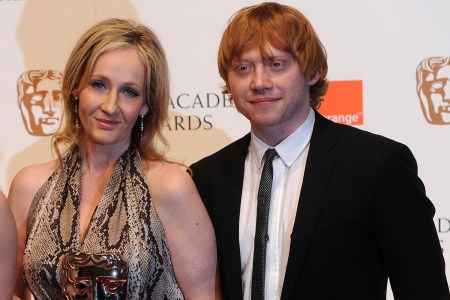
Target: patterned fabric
point(262, 227)
point(124, 221)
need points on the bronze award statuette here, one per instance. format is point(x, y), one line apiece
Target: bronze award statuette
point(94, 276)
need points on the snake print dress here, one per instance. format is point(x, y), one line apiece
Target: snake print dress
point(125, 221)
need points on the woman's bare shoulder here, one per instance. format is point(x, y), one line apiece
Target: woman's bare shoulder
point(188, 229)
point(168, 180)
point(26, 183)
point(33, 176)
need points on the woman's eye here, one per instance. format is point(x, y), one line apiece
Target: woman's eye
point(131, 93)
point(98, 85)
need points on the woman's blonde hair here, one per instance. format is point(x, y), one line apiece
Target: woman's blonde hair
point(109, 35)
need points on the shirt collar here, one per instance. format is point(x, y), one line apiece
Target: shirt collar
point(288, 149)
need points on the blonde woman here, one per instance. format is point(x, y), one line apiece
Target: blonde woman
point(112, 210)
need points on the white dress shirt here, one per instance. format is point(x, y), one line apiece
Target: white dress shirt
point(288, 171)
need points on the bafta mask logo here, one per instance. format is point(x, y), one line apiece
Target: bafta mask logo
point(40, 101)
point(90, 276)
point(433, 89)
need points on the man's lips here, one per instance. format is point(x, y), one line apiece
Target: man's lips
point(264, 99)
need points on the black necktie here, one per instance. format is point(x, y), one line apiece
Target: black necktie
point(261, 233)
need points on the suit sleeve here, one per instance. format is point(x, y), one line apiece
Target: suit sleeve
point(405, 231)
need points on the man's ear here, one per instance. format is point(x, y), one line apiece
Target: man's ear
point(313, 78)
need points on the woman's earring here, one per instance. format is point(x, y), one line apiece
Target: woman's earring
point(76, 113)
point(142, 124)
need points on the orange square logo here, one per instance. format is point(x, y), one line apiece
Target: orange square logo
point(343, 102)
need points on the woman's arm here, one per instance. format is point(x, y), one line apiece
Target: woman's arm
point(21, 194)
point(189, 231)
point(8, 249)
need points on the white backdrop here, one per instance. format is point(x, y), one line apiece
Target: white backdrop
point(379, 43)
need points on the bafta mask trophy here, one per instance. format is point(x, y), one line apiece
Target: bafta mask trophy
point(91, 276)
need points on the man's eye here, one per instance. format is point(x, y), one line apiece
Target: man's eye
point(277, 65)
point(243, 68)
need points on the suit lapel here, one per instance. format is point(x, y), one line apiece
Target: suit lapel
point(230, 202)
point(319, 166)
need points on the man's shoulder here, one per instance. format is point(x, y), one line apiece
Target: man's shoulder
point(358, 135)
point(349, 139)
point(353, 134)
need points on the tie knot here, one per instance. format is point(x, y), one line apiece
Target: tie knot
point(270, 154)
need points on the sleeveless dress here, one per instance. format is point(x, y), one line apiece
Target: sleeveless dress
point(125, 221)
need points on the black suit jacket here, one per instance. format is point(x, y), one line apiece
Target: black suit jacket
point(362, 216)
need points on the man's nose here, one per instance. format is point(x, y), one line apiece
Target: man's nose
point(261, 79)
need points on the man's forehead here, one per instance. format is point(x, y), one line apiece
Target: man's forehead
point(268, 52)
